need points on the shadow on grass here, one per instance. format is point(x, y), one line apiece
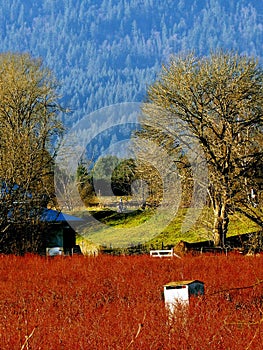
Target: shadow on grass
point(110, 216)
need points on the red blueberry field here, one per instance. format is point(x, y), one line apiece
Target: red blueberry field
point(109, 302)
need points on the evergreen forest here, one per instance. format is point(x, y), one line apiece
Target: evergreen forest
point(105, 52)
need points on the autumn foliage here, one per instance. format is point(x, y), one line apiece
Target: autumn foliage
point(108, 302)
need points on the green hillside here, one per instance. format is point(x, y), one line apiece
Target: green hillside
point(117, 227)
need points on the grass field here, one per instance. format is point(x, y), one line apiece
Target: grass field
point(132, 227)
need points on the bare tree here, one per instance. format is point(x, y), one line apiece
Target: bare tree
point(29, 122)
point(214, 100)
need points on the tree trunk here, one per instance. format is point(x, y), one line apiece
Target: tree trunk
point(217, 231)
point(220, 227)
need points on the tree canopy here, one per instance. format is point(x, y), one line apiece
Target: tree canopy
point(217, 100)
point(29, 122)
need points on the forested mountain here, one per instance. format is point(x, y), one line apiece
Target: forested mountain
point(108, 51)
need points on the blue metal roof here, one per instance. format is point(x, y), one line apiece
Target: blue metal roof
point(50, 215)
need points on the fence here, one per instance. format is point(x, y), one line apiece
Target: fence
point(163, 253)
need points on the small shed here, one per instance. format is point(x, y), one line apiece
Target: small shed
point(61, 233)
point(181, 291)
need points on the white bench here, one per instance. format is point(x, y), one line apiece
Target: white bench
point(163, 253)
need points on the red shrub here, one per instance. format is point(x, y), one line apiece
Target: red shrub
point(116, 303)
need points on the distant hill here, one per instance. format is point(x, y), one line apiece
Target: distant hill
point(108, 51)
